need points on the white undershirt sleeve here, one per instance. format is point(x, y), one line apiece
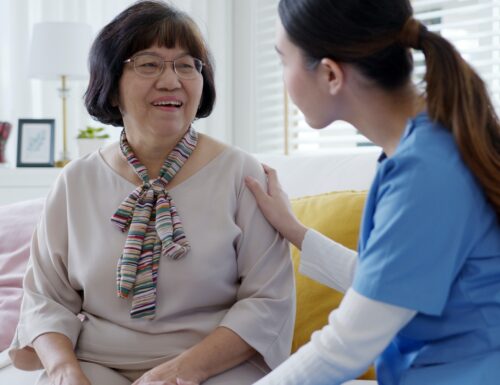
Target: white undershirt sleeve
point(327, 261)
point(356, 333)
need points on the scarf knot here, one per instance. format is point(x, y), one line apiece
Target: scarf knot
point(154, 228)
point(158, 186)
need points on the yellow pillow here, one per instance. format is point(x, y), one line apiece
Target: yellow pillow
point(336, 215)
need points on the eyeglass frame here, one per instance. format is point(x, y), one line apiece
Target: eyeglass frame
point(162, 61)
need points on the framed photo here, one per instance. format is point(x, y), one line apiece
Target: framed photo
point(35, 143)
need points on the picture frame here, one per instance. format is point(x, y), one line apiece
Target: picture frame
point(35, 143)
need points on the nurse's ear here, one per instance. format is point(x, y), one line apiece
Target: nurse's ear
point(332, 75)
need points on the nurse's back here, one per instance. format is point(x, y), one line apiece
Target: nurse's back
point(458, 330)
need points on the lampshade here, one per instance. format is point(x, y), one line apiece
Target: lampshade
point(59, 49)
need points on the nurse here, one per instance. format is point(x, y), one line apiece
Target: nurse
point(423, 291)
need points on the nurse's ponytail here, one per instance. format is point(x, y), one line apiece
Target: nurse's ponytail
point(457, 98)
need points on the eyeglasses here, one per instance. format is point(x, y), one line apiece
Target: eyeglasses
point(150, 66)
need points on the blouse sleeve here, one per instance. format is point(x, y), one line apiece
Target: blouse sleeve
point(50, 303)
point(264, 312)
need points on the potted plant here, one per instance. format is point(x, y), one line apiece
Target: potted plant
point(91, 139)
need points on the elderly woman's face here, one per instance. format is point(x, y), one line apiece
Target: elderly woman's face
point(158, 105)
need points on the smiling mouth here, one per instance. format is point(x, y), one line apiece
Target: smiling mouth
point(176, 104)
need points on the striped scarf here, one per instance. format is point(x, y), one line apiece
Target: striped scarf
point(154, 227)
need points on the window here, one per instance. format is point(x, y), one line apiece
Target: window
point(270, 107)
point(473, 26)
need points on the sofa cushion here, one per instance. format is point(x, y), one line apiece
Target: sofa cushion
point(336, 215)
point(17, 222)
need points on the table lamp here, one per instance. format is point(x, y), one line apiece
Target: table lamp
point(59, 51)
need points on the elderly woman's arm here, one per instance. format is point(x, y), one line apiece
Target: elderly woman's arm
point(48, 326)
point(59, 360)
point(219, 351)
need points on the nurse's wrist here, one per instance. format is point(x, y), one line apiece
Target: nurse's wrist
point(295, 234)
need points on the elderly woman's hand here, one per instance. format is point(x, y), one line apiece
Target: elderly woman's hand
point(69, 376)
point(179, 381)
point(275, 206)
point(173, 372)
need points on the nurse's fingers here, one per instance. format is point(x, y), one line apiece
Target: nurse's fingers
point(273, 183)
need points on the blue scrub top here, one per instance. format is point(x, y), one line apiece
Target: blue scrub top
point(430, 242)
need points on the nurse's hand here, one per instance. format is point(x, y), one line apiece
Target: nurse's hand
point(275, 206)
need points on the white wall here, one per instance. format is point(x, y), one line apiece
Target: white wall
point(215, 20)
point(242, 79)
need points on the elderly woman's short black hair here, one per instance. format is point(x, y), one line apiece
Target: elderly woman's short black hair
point(136, 28)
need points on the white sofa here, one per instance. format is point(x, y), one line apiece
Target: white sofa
point(311, 174)
point(301, 175)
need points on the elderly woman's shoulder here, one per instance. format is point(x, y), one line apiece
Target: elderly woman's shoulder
point(83, 167)
point(210, 147)
point(231, 154)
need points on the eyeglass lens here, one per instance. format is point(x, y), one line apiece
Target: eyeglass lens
point(150, 65)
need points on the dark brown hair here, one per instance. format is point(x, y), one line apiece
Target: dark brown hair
point(136, 28)
point(368, 34)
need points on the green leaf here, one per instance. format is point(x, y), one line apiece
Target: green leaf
point(92, 133)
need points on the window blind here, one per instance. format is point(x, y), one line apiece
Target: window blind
point(473, 26)
point(270, 116)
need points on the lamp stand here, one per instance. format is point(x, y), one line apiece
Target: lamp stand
point(63, 92)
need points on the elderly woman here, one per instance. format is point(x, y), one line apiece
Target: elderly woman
point(152, 262)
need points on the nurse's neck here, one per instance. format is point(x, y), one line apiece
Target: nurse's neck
point(383, 115)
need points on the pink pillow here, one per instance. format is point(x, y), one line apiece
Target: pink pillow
point(17, 222)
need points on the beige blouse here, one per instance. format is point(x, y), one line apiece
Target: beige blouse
point(238, 273)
